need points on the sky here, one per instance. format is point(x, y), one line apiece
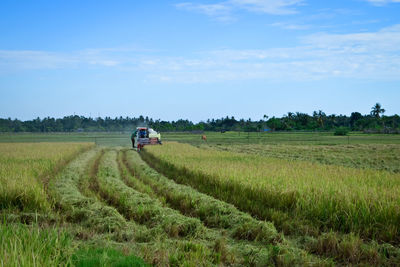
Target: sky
point(198, 59)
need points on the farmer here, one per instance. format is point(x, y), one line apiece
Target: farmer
point(133, 138)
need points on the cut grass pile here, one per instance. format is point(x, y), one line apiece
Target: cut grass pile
point(26, 168)
point(379, 157)
point(78, 208)
point(188, 242)
point(98, 206)
point(138, 206)
point(266, 246)
point(329, 197)
point(345, 249)
point(214, 213)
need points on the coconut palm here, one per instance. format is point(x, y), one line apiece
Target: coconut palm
point(377, 110)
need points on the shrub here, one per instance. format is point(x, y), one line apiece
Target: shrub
point(341, 131)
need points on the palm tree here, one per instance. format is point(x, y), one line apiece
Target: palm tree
point(377, 110)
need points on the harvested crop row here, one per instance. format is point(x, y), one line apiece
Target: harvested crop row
point(81, 209)
point(331, 197)
point(94, 215)
point(215, 213)
point(138, 206)
point(332, 245)
point(129, 179)
point(25, 170)
point(245, 252)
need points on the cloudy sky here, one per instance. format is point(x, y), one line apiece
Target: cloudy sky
point(198, 59)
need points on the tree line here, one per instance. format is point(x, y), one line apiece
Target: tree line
point(292, 121)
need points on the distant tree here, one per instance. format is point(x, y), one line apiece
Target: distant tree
point(274, 124)
point(377, 110)
point(354, 117)
point(319, 116)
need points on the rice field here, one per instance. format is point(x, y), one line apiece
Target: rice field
point(384, 157)
point(302, 198)
point(26, 168)
point(81, 204)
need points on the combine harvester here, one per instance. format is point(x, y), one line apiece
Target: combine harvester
point(145, 136)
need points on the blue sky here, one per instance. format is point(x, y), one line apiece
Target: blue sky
point(198, 59)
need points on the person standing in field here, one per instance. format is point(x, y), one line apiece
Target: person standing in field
point(133, 138)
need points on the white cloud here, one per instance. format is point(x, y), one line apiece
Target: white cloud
point(371, 55)
point(220, 11)
point(276, 7)
point(290, 26)
point(26, 59)
point(382, 2)
point(224, 10)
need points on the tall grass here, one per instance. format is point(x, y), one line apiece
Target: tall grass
point(25, 169)
point(330, 197)
point(22, 245)
point(237, 226)
point(214, 213)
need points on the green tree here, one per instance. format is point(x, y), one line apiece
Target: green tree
point(377, 110)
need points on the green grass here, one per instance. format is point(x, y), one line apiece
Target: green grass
point(212, 212)
point(31, 245)
point(26, 168)
point(213, 138)
point(140, 207)
point(330, 197)
point(78, 208)
point(215, 213)
point(289, 138)
point(379, 157)
point(94, 257)
point(111, 207)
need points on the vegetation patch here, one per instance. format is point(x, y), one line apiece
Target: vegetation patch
point(78, 208)
point(26, 168)
point(31, 245)
point(93, 256)
point(224, 175)
point(138, 206)
point(331, 197)
point(384, 157)
point(212, 212)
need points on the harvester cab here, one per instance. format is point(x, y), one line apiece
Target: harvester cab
point(145, 136)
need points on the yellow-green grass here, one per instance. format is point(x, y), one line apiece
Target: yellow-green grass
point(374, 156)
point(30, 245)
point(344, 199)
point(25, 169)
